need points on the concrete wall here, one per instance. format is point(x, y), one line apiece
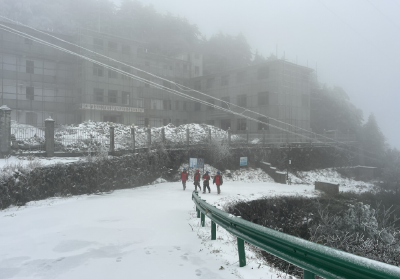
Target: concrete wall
point(279, 177)
point(328, 188)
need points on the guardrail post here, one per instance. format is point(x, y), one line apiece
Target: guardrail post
point(242, 254)
point(5, 131)
point(133, 137)
point(112, 138)
point(198, 212)
point(308, 275)
point(203, 219)
point(49, 137)
point(148, 138)
point(213, 231)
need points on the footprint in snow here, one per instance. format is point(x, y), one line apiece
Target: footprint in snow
point(148, 252)
point(198, 272)
point(119, 259)
point(177, 247)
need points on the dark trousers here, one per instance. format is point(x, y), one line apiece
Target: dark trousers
point(197, 184)
point(206, 186)
point(184, 184)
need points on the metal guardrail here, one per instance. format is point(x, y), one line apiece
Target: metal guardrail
point(315, 259)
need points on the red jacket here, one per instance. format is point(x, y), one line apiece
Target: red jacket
point(218, 179)
point(197, 176)
point(184, 176)
point(206, 177)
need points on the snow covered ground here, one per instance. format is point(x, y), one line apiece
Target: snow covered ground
point(145, 232)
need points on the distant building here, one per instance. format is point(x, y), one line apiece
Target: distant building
point(38, 81)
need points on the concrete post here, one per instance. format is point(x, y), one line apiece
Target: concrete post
point(49, 137)
point(229, 136)
point(133, 137)
point(112, 139)
point(5, 131)
point(187, 137)
point(263, 136)
point(209, 135)
point(148, 138)
point(163, 134)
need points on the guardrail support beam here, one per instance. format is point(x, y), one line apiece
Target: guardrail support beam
point(203, 219)
point(242, 254)
point(213, 231)
point(198, 212)
point(308, 275)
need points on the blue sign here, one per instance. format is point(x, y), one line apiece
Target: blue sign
point(196, 163)
point(243, 161)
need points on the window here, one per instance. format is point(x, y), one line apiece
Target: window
point(225, 124)
point(166, 121)
point(185, 106)
point(225, 81)
point(30, 93)
point(30, 66)
point(197, 85)
point(197, 106)
point(262, 125)
point(196, 70)
point(176, 105)
point(126, 49)
point(210, 122)
point(241, 124)
point(242, 100)
point(178, 122)
point(185, 67)
point(112, 46)
point(31, 118)
point(305, 101)
point(263, 73)
point(112, 96)
point(98, 70)
point(212, 101)
point(125, 98)
point(240, 77)
point(112, 74)
point(210, 82)
point(98, 95)
point(126, 69)
point(263, 98)
point(146, 122)
point(224, 102)
point(167, 105)
point(98, 43)
point(28, 41)
point(167, 84)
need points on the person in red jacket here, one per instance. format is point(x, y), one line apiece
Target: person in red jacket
point(206, 182)
point(218, 180)
point(184, 177)
point(197, 180)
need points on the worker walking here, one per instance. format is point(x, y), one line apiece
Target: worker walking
point(218, 181)
point(197, 180)
point(184, 177)
point(206, 183)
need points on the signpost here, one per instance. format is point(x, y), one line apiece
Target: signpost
point(196, 163)
point(243, 161)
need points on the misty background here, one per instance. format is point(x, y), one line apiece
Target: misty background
point(352, 44)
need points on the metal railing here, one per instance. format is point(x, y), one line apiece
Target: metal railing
point(313, 258)
point(28, 138)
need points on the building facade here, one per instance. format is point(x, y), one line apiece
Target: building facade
point(38, 81)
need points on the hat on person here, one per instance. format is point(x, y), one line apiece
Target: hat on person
point(184, 169)
point(197, 170)
point(218, 172)
point(207, 171)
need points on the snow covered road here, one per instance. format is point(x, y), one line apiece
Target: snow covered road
point(135, 233)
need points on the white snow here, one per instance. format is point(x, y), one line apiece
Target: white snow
point(145, 232)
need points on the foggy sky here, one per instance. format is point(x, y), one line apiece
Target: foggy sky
point(357, 49)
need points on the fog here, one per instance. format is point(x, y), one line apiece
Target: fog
point(352, 44)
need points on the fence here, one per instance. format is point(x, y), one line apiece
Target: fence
point(315, 259)
point(28, 138)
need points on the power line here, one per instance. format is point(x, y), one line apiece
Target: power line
point(22, 34)
point(387, 18)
